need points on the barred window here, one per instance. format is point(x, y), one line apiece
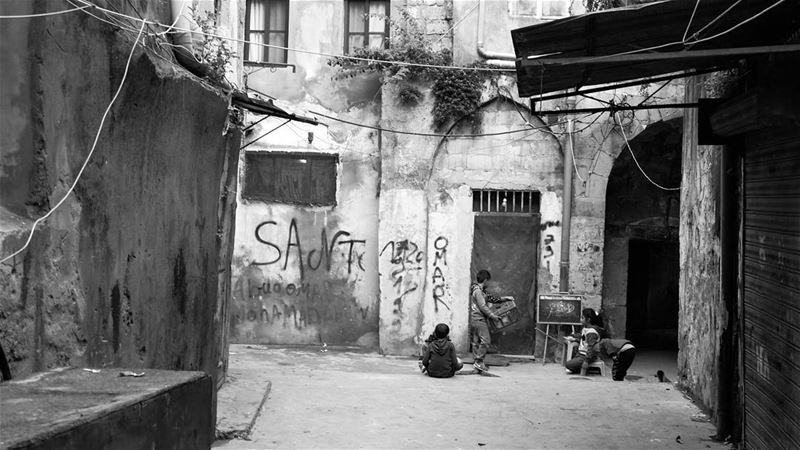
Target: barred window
point(500, 201)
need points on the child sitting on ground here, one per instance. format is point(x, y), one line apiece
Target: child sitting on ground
point(439, 358)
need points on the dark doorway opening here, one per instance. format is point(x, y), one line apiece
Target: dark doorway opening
point(652, 298)
point(505, 245)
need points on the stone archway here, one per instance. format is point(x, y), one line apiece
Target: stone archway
point(640, 262)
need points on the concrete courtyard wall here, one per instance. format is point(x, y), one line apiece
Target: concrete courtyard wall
point(703, 315)
point(125, 272)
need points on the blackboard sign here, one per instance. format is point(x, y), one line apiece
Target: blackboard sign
point(561, 309)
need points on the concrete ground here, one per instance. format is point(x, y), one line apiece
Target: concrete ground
point(346, 399)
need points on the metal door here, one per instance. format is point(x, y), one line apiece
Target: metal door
point(771, 289)
point(505, 243)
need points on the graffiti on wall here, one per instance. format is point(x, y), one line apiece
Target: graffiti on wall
point(587, 247)
point(548, 253)
point(319, 292)
point(313, 259)
point(406, 263)
point(438, 279)
point(294, 304)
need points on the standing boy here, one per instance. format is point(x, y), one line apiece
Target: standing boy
point(479, 313)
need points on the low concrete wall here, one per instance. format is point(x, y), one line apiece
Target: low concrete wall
point(76, 409)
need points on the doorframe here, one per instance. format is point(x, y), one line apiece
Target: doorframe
point(535, 281)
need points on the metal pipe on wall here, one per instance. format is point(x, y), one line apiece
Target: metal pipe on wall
point(563, 284)
point(496, 59)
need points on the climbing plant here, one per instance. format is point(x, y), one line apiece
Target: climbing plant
point(456, 92)
point(215, 53)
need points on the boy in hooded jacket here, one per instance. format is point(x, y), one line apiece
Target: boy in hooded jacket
point(439, 359)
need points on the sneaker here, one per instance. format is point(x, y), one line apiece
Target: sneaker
point(480, 366)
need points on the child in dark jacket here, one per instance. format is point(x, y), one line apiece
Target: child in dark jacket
point(622, 352)
point(439, 358)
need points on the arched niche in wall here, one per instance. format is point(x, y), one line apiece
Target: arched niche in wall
point(640, 274)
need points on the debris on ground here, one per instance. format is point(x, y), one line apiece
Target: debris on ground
point(128, 373)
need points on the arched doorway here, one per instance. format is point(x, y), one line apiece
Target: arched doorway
point(641, 261)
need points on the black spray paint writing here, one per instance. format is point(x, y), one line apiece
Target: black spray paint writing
point(298, 316)
point(405, 258)
point(548, 224)
point(548, 250)
point(311, 261)
point(587, 247)
point(439, 260)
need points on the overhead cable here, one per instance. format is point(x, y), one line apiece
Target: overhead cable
point(628, 144)
point(413, 133)
point(52, 13)
point(296, 50)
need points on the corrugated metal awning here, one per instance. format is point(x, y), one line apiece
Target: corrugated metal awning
point(650, 39)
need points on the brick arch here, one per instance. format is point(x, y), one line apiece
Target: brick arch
point(606, 155)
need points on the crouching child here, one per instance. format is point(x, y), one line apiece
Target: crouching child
point(622, 352)
point(439, 359)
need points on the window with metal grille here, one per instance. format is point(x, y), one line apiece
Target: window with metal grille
point(366, 24)
point(267, 22)
point(301, 178)
point(500, 201)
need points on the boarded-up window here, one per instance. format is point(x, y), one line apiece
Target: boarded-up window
point(302, 178)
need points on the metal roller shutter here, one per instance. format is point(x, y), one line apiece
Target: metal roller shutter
point(771, 289)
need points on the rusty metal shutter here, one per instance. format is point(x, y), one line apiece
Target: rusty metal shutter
point(771, 289)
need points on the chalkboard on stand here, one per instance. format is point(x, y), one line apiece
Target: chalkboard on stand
point(559, 309)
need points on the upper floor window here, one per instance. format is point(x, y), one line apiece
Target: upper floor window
point(543, 9)
point(366, 24)
point(266, 22)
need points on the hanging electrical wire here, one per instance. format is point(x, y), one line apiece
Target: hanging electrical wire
point(91, 150)
point(52, 13)
point(296, 50)
point(414, 133)
point(628, 145)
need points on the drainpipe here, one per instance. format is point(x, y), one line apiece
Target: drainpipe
point(496, 59)
point(187, 44)
point(566, 214)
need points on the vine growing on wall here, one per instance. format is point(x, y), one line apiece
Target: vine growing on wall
point(456, 92)
point(599, 5)
point(214, 53)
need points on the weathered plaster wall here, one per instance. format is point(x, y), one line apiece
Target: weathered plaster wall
point(498, 15)
point(307, 274)
point(422, 186)
point(337, 305)
point(15, 101)
point(125, 272)
point(703, 314)
point(598, 142)
point(426, 203)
